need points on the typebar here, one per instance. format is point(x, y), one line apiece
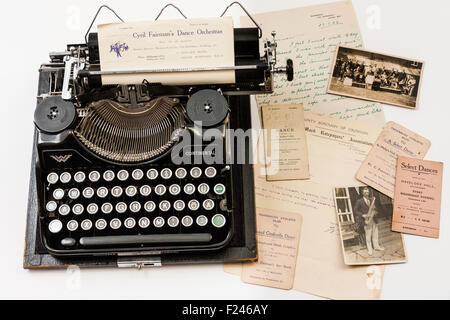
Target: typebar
point(148, 238)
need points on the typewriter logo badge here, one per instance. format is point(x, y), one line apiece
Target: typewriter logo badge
point(118, 48)
point(60, 159)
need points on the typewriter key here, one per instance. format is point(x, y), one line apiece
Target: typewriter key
point(54, 114)
point(145, 190)
point(102, 192)
point(207, 107)
point(181, 173)
point(79, 177)
point(160, 189)
point(173, 221)
point(219, 189)
point(152, 174)
point(58, 194)
point(116, 191)
point(88, 192)
point(131, 191)
point(202, 221)
point(107, 208)
point(86, 224)
point(208, 204)
point(78, 209)
point(74, 193)
point(115, 224)
point(164, 205)
point(187, 221)
point(52, 178)
point(108, 175)
point(55, 226)
point(144, 222)
point(65, 177)
point(121, 207)
point(196, 172)
point(92, 208)
point(51, 206)
point(122, 175)
point(218, 221)
point(189, 188)
point(166, 173)
point(72, 225)
point(100, 224)
point(94, 176)
point(193, 205)
point(135, 206)
point(203, 188)
point(210, 172)
point(149, 206)
point(158, 222)
point(174, 189)
point(179, 205)
point(137, 174)
point(129, 223)
point(64, 210)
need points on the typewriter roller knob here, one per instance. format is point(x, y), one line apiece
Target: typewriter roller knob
point(289, 69)
point(54, 115)
point(207, 107)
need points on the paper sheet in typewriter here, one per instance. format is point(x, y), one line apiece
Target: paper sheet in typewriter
point(309, 36)
point(166, 45)
point(336, 149)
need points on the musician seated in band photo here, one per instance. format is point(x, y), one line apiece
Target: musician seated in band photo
point(366, 212)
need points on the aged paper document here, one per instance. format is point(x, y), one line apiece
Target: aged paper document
point(285, 142)
point(277, 236)
point(378, 169)
point(184, 44)
point(417, 199)
point(309, 36)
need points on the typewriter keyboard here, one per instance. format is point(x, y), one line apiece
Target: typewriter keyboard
point(158, 207)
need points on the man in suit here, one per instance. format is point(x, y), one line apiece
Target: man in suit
point(370, 225)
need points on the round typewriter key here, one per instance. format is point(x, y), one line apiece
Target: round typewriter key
point(173, 221)
point(55, 226)
point(107, 207)
point(122, 175)
point(149, 206)
point(131, 191)
point(74, 193)
point(116, 191)
point(129, 223)
point(187, 221)
point(219, 189)
point(79, 177)
point(210, 172)
point(193, 205)
point(166, 173)
point(108, 175)
point(135, 206)
point(208, 204)
point(121, 207)
point(101, 224)
point(189, 188)
point(223, 205)
point(65, 177)
point(160, 189)
point(179, 205)
point(144, 222)
point(145, 190)
point(58, 194)
point(86, 224)
point(202, 221)
point(92, 208)
point(152, 174)
point(164, 205)
point(115, 224)
point(158, 222)
point(203, 188)
point(181, 173)
point(78, 209)
point(51, 206)
point(72, 225)
point(88, 192)
point(196, 172)
point(174, 189)
point(94, 176)
point(102, 192)
point(218, 221)
point(52, 178)
point(64, 210)
point(137, 174)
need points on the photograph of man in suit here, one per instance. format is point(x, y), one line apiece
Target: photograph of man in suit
point(365, 212)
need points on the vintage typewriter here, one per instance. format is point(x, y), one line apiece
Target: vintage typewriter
point(105, 180)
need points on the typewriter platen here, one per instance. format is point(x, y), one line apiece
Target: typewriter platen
point(106, 177)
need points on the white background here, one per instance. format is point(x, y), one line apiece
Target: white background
point(30, 29)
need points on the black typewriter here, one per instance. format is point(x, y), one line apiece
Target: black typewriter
point(113, 176)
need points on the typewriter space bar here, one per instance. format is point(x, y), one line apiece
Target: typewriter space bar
point(146, 238)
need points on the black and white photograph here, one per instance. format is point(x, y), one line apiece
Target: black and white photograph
point(376, 77)
point(364, 217)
